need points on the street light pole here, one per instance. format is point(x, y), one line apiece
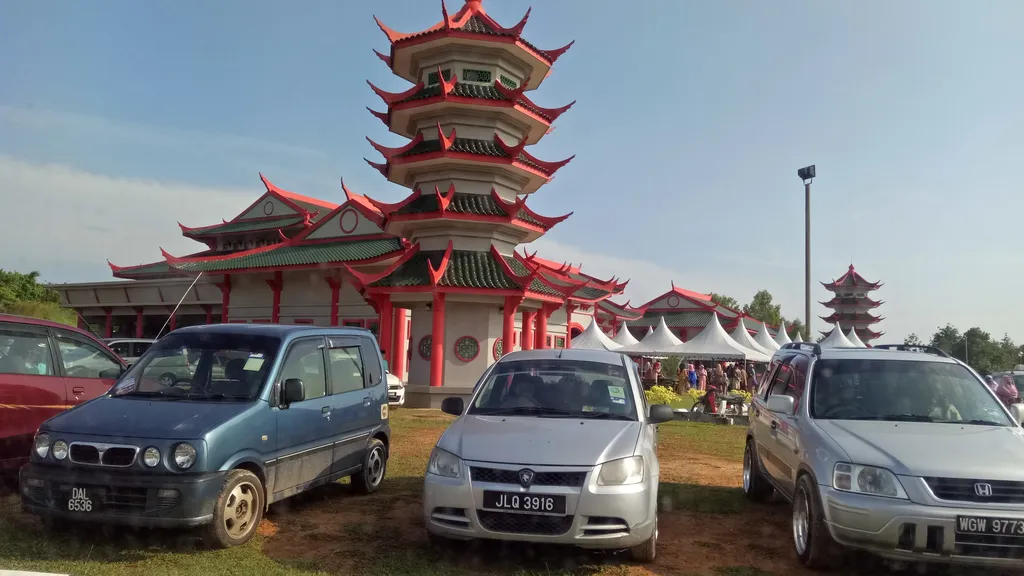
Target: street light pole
point(807, 175)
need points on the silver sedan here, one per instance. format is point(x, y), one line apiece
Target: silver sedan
point(554, 446)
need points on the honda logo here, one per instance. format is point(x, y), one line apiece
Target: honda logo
point(525, 478)
point(982, 489)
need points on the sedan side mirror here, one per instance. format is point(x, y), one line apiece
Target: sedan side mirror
point(293, 391)
point(781, 404)
point(660, 413)
point(1017, 411)
point(111, 373)
point(453, 405)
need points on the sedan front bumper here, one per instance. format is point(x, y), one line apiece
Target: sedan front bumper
point(598, 517)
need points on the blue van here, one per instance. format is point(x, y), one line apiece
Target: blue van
point(264, 412)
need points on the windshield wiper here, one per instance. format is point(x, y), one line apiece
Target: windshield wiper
point(523, 410)
point(217, 396)
point(146, 394)
point(896, 418)
point(977, 422)
point(605, 416)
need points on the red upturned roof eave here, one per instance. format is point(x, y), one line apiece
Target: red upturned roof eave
point(316, 266)
point(292, 196)
point(460, 290)
point(464, 100)
point(867, 303)
point(467, 218)
point(196, 233)
point(440, 154)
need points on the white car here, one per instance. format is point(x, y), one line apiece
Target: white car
point(396, 390)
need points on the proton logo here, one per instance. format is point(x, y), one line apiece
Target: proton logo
point(982, 489)
point(525, 478)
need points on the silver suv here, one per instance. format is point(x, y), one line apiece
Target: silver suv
point(896, 450)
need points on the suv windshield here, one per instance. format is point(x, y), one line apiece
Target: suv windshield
point(902, 390)
point(201, 366)
point(556, 388)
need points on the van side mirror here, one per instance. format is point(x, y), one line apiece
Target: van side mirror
point(1017, 411)
point(781, 404)
point(453, 405)
point(293, 391)
point(660, 413)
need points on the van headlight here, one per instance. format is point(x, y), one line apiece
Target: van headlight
point(59, 450)
point(41, 444)
point(621, 472)
point(444, 463)
point(867, 480)
point(184, 455)
point(151, 457)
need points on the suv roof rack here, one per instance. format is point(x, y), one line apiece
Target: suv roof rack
point(811, 346)
point(934, 350)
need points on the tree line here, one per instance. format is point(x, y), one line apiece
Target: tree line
point(975, 347)
point(23, 295)
point(762, 308)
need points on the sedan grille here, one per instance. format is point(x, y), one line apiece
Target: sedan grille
point(980, 491)
point(524, 523)
point(102, 454)
point(498, 476)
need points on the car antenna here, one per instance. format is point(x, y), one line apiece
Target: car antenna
point(175, 311)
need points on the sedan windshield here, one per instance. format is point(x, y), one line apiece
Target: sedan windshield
point(902, 390)
point(556, 388)
point(201, 366)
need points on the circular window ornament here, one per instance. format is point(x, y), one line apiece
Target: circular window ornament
point(348, 221)
point(673, 301)
point(426, 343)
point(467, 348)
point(268, 207)
point(498, 350)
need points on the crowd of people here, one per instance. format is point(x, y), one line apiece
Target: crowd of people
point(721, 375)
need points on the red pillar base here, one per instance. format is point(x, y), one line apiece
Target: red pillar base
point(401, 341)
point(528, 338)
point(437, 341)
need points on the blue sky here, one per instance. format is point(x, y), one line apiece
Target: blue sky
point(118, 118)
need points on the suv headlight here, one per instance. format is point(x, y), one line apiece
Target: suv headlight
point(867, 480)
point(151, 457)
point(59, 450)
point(184, 455)
point(41, 444)
point(444, 463)
point(621, 472)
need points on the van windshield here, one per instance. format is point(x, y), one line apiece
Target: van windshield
point(557, 389)
point(201, 366)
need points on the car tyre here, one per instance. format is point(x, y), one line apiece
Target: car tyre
point(168, 379)
point(646, 551)
point(811, 539)
point(755, 486)
point(237, 511)
point(375, 466)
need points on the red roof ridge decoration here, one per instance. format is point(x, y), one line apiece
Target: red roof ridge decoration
point(388, 152)
point(281, 235)
point(175, 260)
point(517, 94)
point(446, 141)
point(391, 98)
point(520, 204)
point(558, 279)
point(611, 285)
point(289, 198)
point(446, 85)
point(444, 200)
point(520, 149)
point(437, 273)
point(384, 57)
point(388, 209)
point(363, 280)
point(858, 280)
point(360, 199)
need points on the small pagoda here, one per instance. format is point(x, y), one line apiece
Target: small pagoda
point(851, 305)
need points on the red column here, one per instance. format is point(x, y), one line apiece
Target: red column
point(508, 324)
point(275, 286)
point(172, 323)
point(335, 285)
point(401, 340)
point(81, 323)
point(569, 308)
point(138, 323)
point(108, 331)
point(225, 298)
point(385, 323)
point(209, 314)
point(527, 343)
point(542, 324)
point(437, 342)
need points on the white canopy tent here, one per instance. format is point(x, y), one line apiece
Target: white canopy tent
point(656, 343)
point(624, 337)
point(854, 339)
point(743, 338)
point(764, 338)
point(836, 339)
point(650, 330)
point(594, 339)
point(782, 338)
point(714, 343)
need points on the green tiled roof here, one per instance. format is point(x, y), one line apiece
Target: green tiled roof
point(302, 254)
point(590, 293)
point(678, 320)
point(146, 270)
point(464, 203)
point(476, 25)
point(619, 310)
point(536, 286)
point(466, 90)
point(247, 226)
point(466, 269)
point(467, 146)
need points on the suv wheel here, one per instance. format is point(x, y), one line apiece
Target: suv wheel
point(238, 509)
point(811, 539)
point(375, 465)
point(755, 485)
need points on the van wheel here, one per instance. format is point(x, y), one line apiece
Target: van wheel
point(167, 379)
point(238, 510)
point(375, 465)
point(755, 485)
point(646, 551)
point(811, 539)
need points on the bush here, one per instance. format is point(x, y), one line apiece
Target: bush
point(43, 310)
point(747, 396)
point(661, 395)
point(695, 394)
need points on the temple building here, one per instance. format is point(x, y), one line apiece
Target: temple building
point(851, 306)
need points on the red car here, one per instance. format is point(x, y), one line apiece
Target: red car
point(45, 368)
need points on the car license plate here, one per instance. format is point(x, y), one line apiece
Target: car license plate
point(522, 502)
point(82, 500)
point(989, 526)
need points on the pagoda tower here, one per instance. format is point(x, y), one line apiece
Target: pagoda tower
point(851, 306)
point(469, 122)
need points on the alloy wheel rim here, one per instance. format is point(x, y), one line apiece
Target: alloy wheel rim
point(375, 466)
point(240, 510)
point(801, 523)
point(746, 469)
point(166, 381)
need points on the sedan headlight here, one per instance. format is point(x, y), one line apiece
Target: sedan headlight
point(621, 472)
point(867, 480)
point(184, 456)
point(59, 450)
point(42, 444)
point(151, 457)
point(444, 463)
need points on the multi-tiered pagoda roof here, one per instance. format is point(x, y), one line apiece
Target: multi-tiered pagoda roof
point(851, 304)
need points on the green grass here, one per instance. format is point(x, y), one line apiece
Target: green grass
point(708, 439)
point(686, 402)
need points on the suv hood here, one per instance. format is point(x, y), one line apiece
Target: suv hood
point(931, 449)
point(540, 441)
point(144, 418)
